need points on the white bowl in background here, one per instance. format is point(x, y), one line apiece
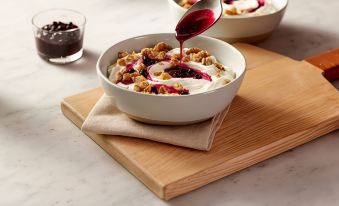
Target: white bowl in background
point(239, 28)
point(176, 109)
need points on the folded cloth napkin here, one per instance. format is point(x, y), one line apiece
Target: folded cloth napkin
point(105, 118)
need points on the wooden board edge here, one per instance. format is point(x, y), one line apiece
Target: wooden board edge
point(216, 172)
point(330, 74)
point(70, 113)
point(116, 154)
point(328, 62)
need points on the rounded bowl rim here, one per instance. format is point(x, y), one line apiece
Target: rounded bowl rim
point(104, 77)
point(237, 17)
point(82, 26)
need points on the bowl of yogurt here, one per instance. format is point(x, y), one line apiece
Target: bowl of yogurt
point(242, 20)
point(148, 82)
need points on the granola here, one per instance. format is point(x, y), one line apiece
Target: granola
point(158, 70)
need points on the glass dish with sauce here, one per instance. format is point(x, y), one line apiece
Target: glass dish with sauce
point(59, 35)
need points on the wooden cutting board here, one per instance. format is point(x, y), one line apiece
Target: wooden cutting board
point(282, 103)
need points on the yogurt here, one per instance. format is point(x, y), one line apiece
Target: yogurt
point(248, 7)
point(192, 76)
point(240, 7)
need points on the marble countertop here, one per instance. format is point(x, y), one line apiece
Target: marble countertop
point(46, 160)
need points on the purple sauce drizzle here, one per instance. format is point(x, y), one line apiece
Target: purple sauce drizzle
point(183, 71)
point(228, 1)
point(260, 2)
point(192, 25)
point(130, 67)
point(180, 71)
point(127, 82)
point(170, 89)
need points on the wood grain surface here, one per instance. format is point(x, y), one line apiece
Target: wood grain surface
point(281, 104)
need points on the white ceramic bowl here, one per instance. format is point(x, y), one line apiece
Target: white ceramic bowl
point(239, 28)
point(173, 110)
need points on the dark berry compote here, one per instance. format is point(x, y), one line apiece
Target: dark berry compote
point(183, 71)
point(59, 40)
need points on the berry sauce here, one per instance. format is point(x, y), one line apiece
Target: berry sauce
point(260, 4)
point(228, 1)
point(192, 25)
point(169, 89)
point(58, 40)
point(129, 67)
point(183, 71)
point(127, 82)
point(148, 62)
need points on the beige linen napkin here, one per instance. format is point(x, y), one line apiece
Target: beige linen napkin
point(105, 118)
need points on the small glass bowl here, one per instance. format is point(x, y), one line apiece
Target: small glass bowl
point(59, 47)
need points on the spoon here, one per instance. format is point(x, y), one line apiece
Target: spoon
point(200, 17)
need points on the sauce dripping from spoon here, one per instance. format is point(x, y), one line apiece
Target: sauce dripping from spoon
point(192, 25)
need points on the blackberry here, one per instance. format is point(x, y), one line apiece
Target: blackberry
point(148, 62)
point(144, 73)
point(59, 26)
point(154, 90)
point(131, 71)
point(184, 92)
point(197, 76)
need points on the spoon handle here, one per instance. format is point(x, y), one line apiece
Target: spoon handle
point(328, 62)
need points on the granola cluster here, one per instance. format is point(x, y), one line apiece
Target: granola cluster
point(187, 3)
point(199, 56)
point(147, 57)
